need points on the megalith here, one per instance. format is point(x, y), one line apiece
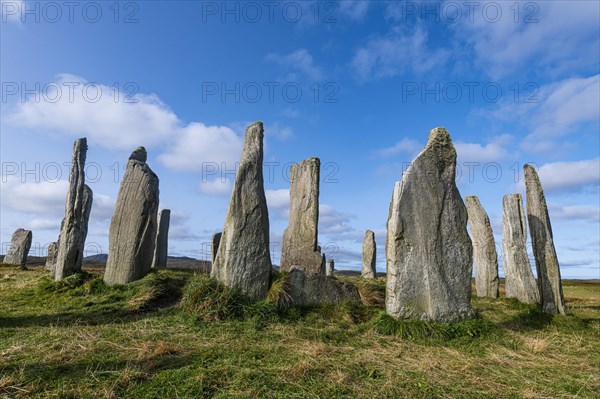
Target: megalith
point(132, 234)
point(74, 227)
point(329, 269)
point(215, 241)
point(542, 241)
point(51, 257)
point(161, 247)
point(485, 256)
point(20, 244)
point(299, 247)
point(243, 260)
point(429, 252)
point(519, 280)
point(369, 255)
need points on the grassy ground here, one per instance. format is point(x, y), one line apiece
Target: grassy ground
point(81, 339)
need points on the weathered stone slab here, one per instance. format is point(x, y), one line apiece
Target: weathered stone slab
point(216, 241)
point(546, 261)
point(330, 268)
point(520, 282)
point(161, 247)
point(74, 227)
point(243, 260)
point(51, 257)
point(369, 256)
point(20, 244)
point(316, 289)
point(299, 247)
point(133, 227)
point(484, 249)
point(429, 252)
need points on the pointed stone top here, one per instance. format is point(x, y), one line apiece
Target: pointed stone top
point(139, 154)
point(472, 198)
point(439, 135)
point(257, 124)
point(369, 232)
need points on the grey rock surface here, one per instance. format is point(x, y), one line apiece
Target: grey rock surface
point(330, 268)
point(20, 244)
point(161, 247)
point(215, 241)
point(51, 257)
point(519, 280)
point(429, 252)
point(542, 241)
point(74, 227)
point(485, 256)
point(369, 256)
point(243, 260)
point(133, 227)
point(306, 288)
point(299, 246)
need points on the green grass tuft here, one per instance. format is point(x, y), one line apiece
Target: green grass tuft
point(209, 300)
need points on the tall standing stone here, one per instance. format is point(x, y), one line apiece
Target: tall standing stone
point(20, 244)
point(546, 261)
point(215, 242)
point(74, 227)
point(243, 260)
point(329, 269)
point(519, 279)
point(299, 247)
point(484, 249)
point(161, 247)
point(51, 257)
point(369, 255)
point(133, 227)
point(429, 252)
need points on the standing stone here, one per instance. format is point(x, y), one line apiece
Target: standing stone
point(484, 249)
point(300, 246)
point(429, 252)
point(161, 247)
point(74, 226)
point(51, 257)
point(519, 279)
point(546, 262)
point(330, 268)
point(307, 289)
point(243, 260)
point(216, 241)
point(19, 248)
point(133, 227)
point(369, 255)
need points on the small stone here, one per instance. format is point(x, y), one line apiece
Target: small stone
point(519, 280)
point(485, 256)
point(329, 269)
point(369, 255)
point(299, 245)
point(19, 248)
point(316, 289)
point(216, 240)
point(51, 258)
point(542, 241)
point(161, 248)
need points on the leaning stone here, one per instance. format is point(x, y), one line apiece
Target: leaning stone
point(161, 248)
point(519, 279)
point(243, 260)
point(216, 240)
point(429, 252)
point(299, 245)
point(329, 269)
point(485, 257)
point(316, 289)
point(51, 257)
point(19, 248)
point(74, 227)
point(369, 254)
point(542, 241)
point(133, 227)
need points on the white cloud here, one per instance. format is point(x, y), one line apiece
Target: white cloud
point(332, 221)
point(299, 60)
point(11, 11)
point(564, 176)
point(556, 36)
point(407, 146)
point(103, 207)
point(494, 150)
point(399, 52)
point(39, 224)
point(44, 198)
point(588, 213)
point(355, 10)
point(218, 186)
point(279, 203)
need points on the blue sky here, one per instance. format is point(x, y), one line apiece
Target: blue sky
point(358, 84)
